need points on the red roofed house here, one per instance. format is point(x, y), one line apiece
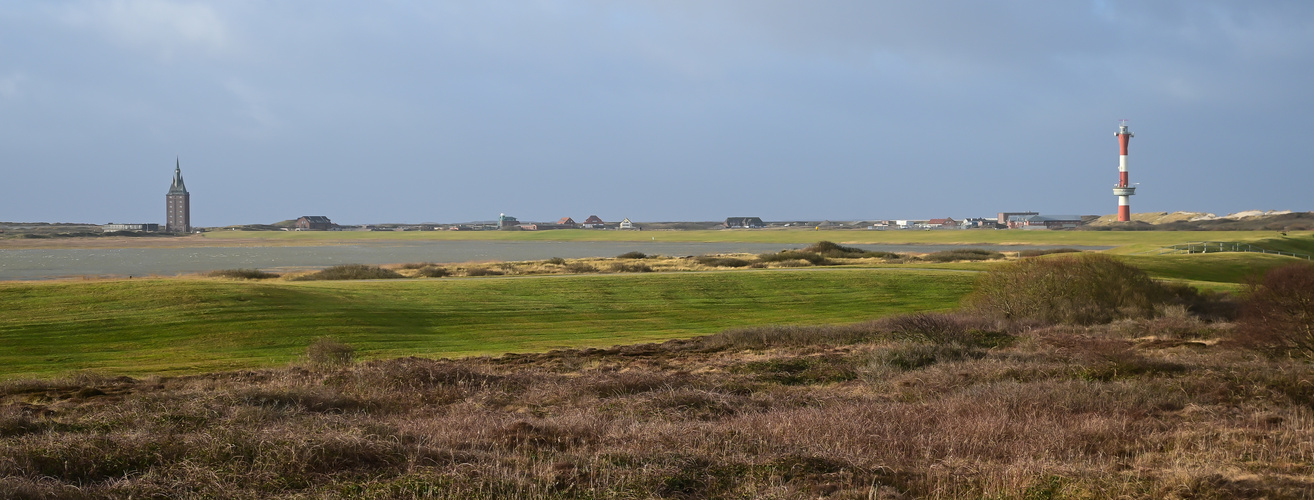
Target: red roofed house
point(593, 222)
point(945, 222)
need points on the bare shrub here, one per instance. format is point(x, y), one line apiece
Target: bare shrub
point(714, 261)
point(482, 271)
point(350, 272)
point(638, 267)
point(1081, 289)
point(580, 268)
point(794, 255)
point(416, 265)
point(632, 255)
point(242, 274)
point(433, 272)
point(556, 261)
point(832, 250)
point(1277, 314)
point(329, 353)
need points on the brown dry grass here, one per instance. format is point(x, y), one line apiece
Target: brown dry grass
point(606, 265)
point(1029, 411)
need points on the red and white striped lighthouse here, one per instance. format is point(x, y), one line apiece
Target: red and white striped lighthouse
point(1123, 190)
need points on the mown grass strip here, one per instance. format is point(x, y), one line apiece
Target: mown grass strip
point(181, 325)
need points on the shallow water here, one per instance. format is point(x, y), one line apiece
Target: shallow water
point(37, 264)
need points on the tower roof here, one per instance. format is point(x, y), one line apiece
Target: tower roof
point(177, 187)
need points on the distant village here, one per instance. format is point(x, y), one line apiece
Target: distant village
point(178, 220)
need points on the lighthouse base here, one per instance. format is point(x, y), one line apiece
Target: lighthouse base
point(1124, 213)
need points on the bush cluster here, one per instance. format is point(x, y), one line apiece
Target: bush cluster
point(433, 272)
point(1277, 314)
point(836, 251)
point(964, 254)
point(789, 255)
point(1082, 289)
point(244, 274)
point(350, 272)
point(715, 261)
point(637, 267)
point(580, 268)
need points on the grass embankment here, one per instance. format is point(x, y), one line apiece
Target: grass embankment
point(198, 325)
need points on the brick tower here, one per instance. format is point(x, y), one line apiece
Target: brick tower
point(178, 205)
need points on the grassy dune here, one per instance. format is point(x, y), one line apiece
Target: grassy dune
point(196, 325)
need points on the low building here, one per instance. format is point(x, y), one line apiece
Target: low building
point(945, 223)
point(744, 222)
point(567, 221)
point(144, 227)
point(979, 222)
point(505, 221)
point(626, 224)
point(593, 222)
point(314, 223)
point(1004, 217)
point(1044, 221)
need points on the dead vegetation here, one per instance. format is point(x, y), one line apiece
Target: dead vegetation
point(823, 253)
point(927, 405)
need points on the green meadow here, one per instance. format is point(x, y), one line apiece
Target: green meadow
point(193, 325)
point(170, 326)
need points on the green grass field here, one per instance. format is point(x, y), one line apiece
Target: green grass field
point(175, 326)
point(200, 325)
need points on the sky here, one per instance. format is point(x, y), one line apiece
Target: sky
point(653, 110)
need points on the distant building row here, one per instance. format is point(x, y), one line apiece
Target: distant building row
point(178, 219)
point(506, 222)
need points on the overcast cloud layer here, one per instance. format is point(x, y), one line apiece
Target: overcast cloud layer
point(397, 111)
